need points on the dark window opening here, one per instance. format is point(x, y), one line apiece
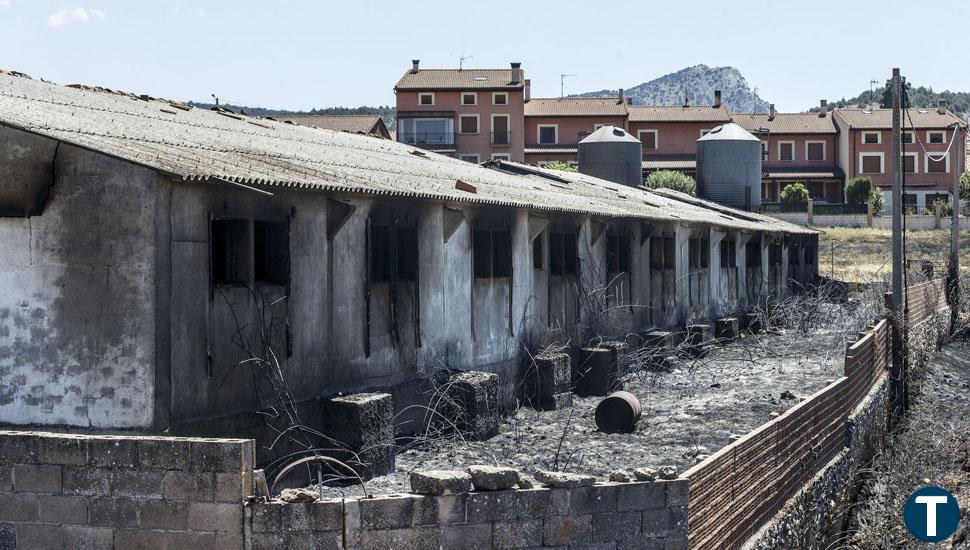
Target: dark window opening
point(229, 249)
point(393, 253)
point(699, 253)
point(729, 254)
point(537, 253)
point(662, 253)
point(793, 256)
point(774, 255)
point(492, 255)
point(810, 255)
point(270, 252)
point(562, 254)
point(752, 254)
point(618, 253)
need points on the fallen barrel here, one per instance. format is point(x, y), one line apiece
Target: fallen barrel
point(618, 413)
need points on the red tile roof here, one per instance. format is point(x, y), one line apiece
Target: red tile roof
point(666, 113)
point(882, 119)
point(786, 123)
point(355, 124)
point(576, 106)
point(458, 79)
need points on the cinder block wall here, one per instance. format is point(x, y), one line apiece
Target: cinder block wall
point(605, 515)
point(81, 491)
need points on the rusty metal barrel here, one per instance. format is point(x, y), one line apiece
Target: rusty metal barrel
point(618, 413)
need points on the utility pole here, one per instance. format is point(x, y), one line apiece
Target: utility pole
point(953, 273)
point(461, 61)
point(898, 374)
point(562, 84)
point(872, 90)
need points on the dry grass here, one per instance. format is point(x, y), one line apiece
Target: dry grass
point(863, 254)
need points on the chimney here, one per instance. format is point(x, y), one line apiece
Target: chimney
point(717, 99)
point(414, 65)
point(619, 96)
point(942, 107)
point(823, 108)
point(527, 90)
point(771, 111)
point(516, 73)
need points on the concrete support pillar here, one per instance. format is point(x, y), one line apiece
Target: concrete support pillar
point(431, 273)
point(869, 214)
point(524, 306)
point(785, 272)
point(810, 212)
point(592, 269)
point(937, 215)
point(741, 244)
point(765, 270)
point(681, 270)
point(640, 275)
point(715, 299)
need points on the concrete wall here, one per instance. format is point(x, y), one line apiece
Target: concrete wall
point(77, 289)
point(75, 491)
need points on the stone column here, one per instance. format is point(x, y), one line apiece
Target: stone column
point(681, 270)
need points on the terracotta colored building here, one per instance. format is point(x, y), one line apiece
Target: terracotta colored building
point(865, 148)
point(797, 147)
point(555, 126)
point(669, 134)
point(372, 125)
point(471, 114)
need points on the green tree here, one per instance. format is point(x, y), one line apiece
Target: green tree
point(561, 166)
point(669, 179)
point(887, 94)
point(794, 193)
point(859, 190)
point(965, 188)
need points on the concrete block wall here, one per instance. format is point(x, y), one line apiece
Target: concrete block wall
point(605, 515)
point(82, 491)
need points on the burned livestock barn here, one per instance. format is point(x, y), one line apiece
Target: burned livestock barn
point(168, 269)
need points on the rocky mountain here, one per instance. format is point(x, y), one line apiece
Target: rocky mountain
point(699, 83)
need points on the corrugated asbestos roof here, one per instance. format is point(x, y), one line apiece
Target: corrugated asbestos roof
point(452, 79)
point(355, 124)
point(882, 119)
point(786, 123)
point(661, 113)
point(205, 145)
point(576, 106)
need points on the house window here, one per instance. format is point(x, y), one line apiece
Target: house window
point(426, 131)
point(871, 163)
point(500, 98)
point(393, 253)
point(937, 165)
point(909, 163)
point(562, 254)
point(786, 151)
point(662, 253)
point(752, 254)
point(699, 253)
point(548, 135)
point(816, 190)
point(501, 156)
point(936, 137)
point(270, 252)
point(871, 137)
point(908, 138)
point(617, 253)
point(469, 157)
point(648, 138)
point(469, 99)
point(229, 251)
point(492, 253)
point(729, 253)
point(468, 124)
point(815, 150)
point(425, 99)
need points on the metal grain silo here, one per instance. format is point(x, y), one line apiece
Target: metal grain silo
point(612, 154)
point(729, 167)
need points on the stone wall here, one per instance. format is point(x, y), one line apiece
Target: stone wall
point(639, 514)
point(80, 491)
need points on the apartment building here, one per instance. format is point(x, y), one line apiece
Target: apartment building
point(555, 126)
point(669, 134)
point(865, 148)
point(797, 147)
point(472, 114)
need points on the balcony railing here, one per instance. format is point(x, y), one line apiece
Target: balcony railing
point(427, 139)
point(501, 138)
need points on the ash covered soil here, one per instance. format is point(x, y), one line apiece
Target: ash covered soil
point(694, 410)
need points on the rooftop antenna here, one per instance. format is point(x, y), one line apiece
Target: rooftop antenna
point(215, 98)
point(461, 60)
point(562, 84)
point(872, 90)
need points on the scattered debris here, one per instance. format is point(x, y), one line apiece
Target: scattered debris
point(645, 474)
point(493, 478)
point(440, 482)
point(564, 480)
point(622, 476)
point(668, 472)
point(298, 496)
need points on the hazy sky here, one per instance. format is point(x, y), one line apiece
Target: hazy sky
point(300, 54)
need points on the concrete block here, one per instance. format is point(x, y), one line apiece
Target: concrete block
point(616, 526)
point(566, 530)
point(211, 516)
point(235, 541)
point(79, 537)
point(425, 510)
point(137, 483)
point(18, 507)
point(62, 509)
point(63, 450)
point(419, 538)
point(476, 396)
point(8, 535)
point(657, 339)
point(133, 538)
point(218, 456)
point(678, 521)
point(493, 478)
point(364, 423)
point(36, 478)
point(726, 328)
point(640, 496)
point(269, 541)
point(677, 491)
point(676, 543)
point(6, 478)
point(386, 512)
point(657, 523)
point(113, 512)
point(452, 509)
point(753, 322)
point(440, 482)
point(267, 517)
point(229, 487)
point(295, 517)
point(40, 536)
point(593, 500)
point(597, 372)
point(491, 506)
point(108, 452)
point(92, 482)
point(188, 486)
point(537, 503)
point(163, 454)
point(159, 514)
point(549, 378)
point(517, 534)
point(473, 535)
point(564, 480)
point(696, 337)
point(326, 515)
